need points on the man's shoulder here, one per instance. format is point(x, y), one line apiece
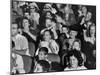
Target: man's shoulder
point(21, 37)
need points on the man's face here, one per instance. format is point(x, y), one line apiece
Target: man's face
point(14, 29)
point(38, 68)
point(73, 34)
point(64, 30)
point(76, 46)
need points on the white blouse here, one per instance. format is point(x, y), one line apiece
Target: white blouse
point(78, 68)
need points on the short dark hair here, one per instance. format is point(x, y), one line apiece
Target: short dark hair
point(26, 19)
point(16, 24)
point(45, 65)
point(77, 54)
point(44, 49)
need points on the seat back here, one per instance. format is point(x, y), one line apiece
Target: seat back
point(31, 48)
point(53, 57)
point(27, 63)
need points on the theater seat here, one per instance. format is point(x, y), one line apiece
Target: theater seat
point(27, 63)
point(31, 48)
point(53, 57)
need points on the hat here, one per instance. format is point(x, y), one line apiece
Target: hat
point(33, 4)
point(48, 5)
point(53, 10)
point(21, 4)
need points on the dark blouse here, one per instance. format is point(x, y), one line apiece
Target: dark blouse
point(29, 38)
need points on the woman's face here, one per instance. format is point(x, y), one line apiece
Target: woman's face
point(25, 23)
point(73, 62)
point(38, 68)
point(92, 30)
point(76, 45)
point(47, 36)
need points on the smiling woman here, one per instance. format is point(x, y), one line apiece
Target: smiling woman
point(52, 37)
point(75, 61)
